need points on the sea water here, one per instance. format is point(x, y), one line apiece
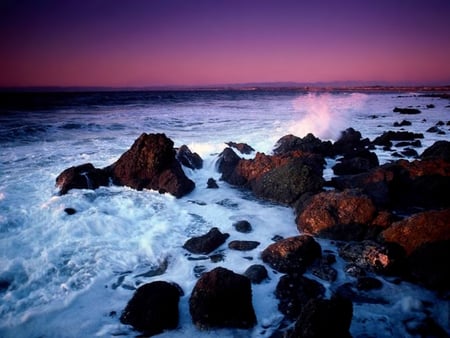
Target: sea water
point(71, 275)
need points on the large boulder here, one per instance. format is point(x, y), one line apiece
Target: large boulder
point(440, 149)
point(324, 318)
point(222, 299)
point(84, 176)
point(349, 141)
point(227, 161)
point(309, 143)
point(419, 229)
point(343, 215)
point(293, 254)
point(206, 243)
point(153, 308)
point(356, 162)
point(151, 163)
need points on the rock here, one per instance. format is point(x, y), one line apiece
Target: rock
point(408, 111)
point(206, 243)
point(356, 162)
point(415, 143)
point(212, 184)
point(368, 283)
point(189, 159)
point(285, 184)
point(257, 273)
point(388, 136)
point(70, 211)
point(324, 318)
point(243, 245)
point(440, 150)
point(153, 308)
point(226, 163)
point(243, 148)
point(350, 292)
point(293, 292)
point(429, 265)
point(419, 229)
point(373, 256)
point(337, 215)
point(243, 226)
point(222, 299)
point(324, 272)
point(150, 163)
point(84, 176)
point(293, 254)
point(404, 123)
point(409, 152)
point(349, 141)
point(309, 143)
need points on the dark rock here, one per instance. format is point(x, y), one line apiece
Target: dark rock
point(206, 243)
point(404, 123)
point(440, 150)
point(293, 254)
point(429, 265)
point(189, 159)
point(309, 143)
point(212, 184)
point(350, 292)
point(368, 283)
point(324, 318)
point(4, 285)
point(349, 141)
point(293, 292)
point(243, 245)
point(285, 184)
point(356, 162)
point(84, 176)
point(337, 215)
point(409, 152)
point(70, 211)
point(256, 273)
point(436, 130)
point(243, 148)
point(227, 162)
point(415, 143)
point(354, 270)
point(419, 229)
point(243, 226)
point(430, 105)
point(408, 111)
point(324, 272)
point(425, 327)
point(388, 136)
point(373, 256)
point(153, 308)
point(150, 163)
point(222, 298)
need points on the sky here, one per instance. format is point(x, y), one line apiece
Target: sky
point(137, 43)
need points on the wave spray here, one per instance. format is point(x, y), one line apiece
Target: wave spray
point(325, 115)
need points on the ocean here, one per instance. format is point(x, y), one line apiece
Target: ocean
point(71, 275)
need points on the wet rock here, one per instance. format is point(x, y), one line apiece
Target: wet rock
point(324, 318)
point(206, 243)
point(153, 308)
point(408, 111)
point(350, 292)
point(226, 163)
point(439, 150)
point(84, 176)
point(349, 141)
point(150, 163)
point(70, 211)
point(243, 148)
point(294, 292)
point(435, 130)
point(189, 159)
point(337, 215)
point(368, 283)
point(415, 143)
point(212, 184)
point(309, 144)
point(293, 254)
point(356, 162)
point(222, 298)
point(429, 265)
point(243, 245)
point(403, 123)
point(373, 256)
point(388, 136)
point(324, 272)
point(354, 270)
point(424, 327)
point(257, 273)
point(243, 226)
point(409, 152)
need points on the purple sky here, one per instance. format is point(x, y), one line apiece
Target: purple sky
point(199, 42)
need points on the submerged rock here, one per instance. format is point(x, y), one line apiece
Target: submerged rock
point(408, 111)
point(206, 243)
point(153, 308)
point(84, 176)
point(222, 299)
point(211, 183)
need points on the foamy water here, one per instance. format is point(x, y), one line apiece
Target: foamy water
point(72, 275)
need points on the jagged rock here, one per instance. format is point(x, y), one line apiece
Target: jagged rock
point(324, 271)
point(356, 162)
point(388, 136)
point(226, 163)
point(243, 148)
point(293, 292)
point(84, 176)
point(408, 111)
point(440, 149)
point(419, 229)
point(222, 298)
point(212, 184)
point(324, 318)
point(243, 245)
point(293, 254)
point(403, 123)
point(206, 243)
point(309, 144)
point(337, 215)
point(189, 159)
point(243, 226)
point(153, 308)
point(150, 163)
point(257, 273)
point(349, 141)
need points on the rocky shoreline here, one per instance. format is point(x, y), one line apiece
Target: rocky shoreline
point(386, 220)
